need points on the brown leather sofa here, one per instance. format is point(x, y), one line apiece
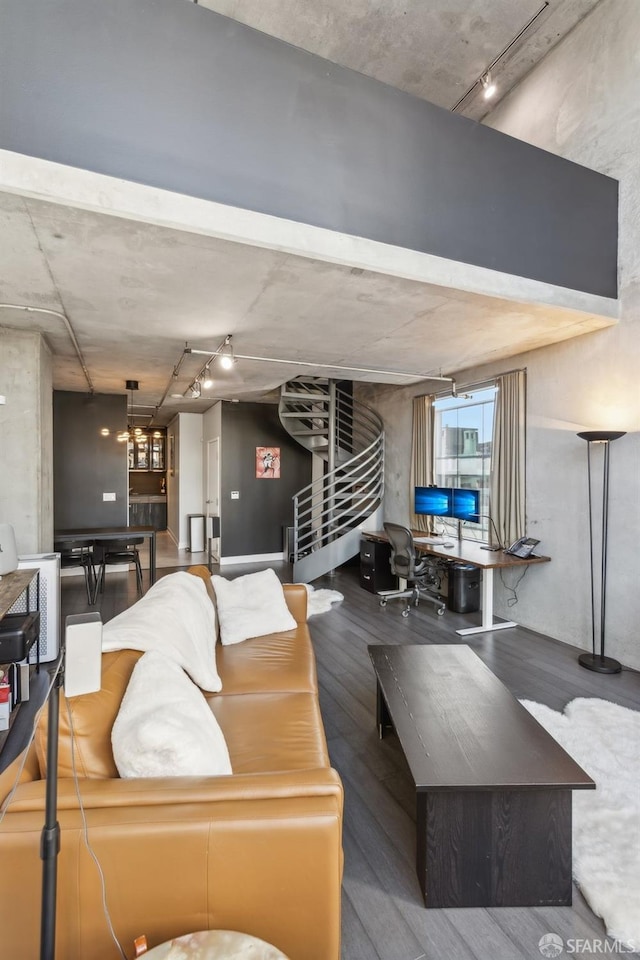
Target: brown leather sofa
point(258, 851)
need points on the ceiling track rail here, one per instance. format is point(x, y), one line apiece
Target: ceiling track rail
point(502, 54)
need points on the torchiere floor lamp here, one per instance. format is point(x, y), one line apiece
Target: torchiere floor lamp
point(593, 660)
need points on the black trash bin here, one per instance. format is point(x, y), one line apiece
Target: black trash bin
point(464, 588)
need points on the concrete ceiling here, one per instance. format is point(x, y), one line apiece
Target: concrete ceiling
point(135, 292)
point(435, 49)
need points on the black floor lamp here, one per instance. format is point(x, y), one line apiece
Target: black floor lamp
point(598, 661)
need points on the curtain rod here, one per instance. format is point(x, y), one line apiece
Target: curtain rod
point(474, 385)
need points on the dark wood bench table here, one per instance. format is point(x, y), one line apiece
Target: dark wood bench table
point(493, 787)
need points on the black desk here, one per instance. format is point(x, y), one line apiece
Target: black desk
point(113, 533)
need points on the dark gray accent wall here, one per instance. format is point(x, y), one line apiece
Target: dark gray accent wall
point(87, 464)
point(170, 94)
point(253, 524)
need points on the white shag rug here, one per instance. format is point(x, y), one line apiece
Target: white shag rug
point(604, 738)
point(319, 601)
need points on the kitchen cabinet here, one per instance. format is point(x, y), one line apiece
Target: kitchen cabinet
point(147, 454)
point(148, 512)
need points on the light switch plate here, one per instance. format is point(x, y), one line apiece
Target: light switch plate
point(235, 494)
point(107, 497)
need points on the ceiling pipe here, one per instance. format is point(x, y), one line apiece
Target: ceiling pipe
point(174, 376)
point(324, 366)
point(70, 331)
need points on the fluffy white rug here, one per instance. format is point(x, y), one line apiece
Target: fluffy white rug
point(319, 601)
point(604, 739)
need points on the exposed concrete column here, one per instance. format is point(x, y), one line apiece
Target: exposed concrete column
point(26, 439)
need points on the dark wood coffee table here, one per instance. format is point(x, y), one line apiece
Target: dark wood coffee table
point(493, 787)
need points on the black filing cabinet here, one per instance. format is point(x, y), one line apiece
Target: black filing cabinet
point(375, 571)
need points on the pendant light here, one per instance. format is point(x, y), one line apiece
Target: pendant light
point(132, 433)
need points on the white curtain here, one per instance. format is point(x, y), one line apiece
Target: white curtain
point(507, 489)
point(422, 466)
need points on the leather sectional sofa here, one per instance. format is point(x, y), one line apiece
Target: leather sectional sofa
point(258, 851)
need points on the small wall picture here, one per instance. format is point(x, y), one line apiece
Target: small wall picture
point(268, 463)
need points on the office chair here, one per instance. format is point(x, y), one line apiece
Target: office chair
point(404, 565)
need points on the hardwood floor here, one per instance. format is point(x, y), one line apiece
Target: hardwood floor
point(383, 912)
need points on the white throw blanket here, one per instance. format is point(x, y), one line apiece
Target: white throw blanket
point(177, 619)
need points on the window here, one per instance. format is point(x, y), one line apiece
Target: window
point(463, 430)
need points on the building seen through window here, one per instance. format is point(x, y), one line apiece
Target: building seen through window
point(463, 431)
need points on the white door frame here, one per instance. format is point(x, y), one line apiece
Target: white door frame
point(211, 509)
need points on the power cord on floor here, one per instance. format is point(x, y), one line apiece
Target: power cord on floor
point(87, 844)
point(511, 601)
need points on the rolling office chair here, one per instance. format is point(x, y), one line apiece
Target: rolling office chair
point(404, 565)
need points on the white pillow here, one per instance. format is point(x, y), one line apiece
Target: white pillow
point(164, 727)
point(176, 618)
point(251, 606)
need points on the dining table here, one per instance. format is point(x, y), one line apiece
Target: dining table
point(113, 533)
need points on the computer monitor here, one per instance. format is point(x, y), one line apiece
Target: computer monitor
point(466, 504)
point(433, 501)
point(447, 502)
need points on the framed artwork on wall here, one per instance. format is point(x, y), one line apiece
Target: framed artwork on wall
point(267, 463)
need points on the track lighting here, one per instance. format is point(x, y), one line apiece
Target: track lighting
point(226, 356)
point(196, 390)
point(485, 80)
point(207, 382)
point(488, 85)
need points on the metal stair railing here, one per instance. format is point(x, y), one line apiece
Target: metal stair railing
point(328, 512)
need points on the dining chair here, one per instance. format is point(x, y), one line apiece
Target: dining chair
point(114, 552)
point(79, 553)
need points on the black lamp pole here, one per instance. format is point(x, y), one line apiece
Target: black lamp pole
point(594, 661)
point(50, 838)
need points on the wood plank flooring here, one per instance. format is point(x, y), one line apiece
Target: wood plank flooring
point(383, 915)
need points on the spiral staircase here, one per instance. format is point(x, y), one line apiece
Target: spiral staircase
point(346, 439)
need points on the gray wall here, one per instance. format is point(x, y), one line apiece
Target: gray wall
point(253, 524)
point(581, 101)
point(166, 93)
point(87, 464)
point(26, 481)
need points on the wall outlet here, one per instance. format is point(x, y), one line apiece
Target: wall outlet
point(107, 497)
point(235, 494)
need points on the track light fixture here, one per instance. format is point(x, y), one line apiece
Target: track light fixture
point(207, 381)
point(196, 389)
point(488, 85)
point(226, 356)
point(485, 79)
